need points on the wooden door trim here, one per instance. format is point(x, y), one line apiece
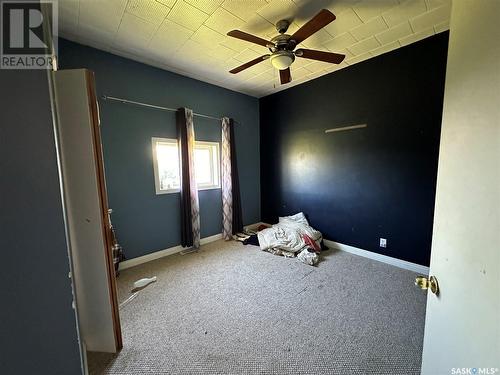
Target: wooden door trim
point(103, 202)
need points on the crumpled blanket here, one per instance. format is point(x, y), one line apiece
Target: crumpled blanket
point(286, 237)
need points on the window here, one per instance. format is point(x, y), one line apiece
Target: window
point(167, 165)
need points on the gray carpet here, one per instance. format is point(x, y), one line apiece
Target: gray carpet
point(232, 309)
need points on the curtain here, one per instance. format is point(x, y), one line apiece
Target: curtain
point(190, 209)
point(235, 184)
point(227, 194)
point(232, 222)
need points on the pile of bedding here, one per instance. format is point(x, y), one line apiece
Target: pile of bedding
point(292, 237)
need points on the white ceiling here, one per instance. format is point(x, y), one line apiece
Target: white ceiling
point(189, 36)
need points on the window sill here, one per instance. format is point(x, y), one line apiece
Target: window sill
point(174, 191)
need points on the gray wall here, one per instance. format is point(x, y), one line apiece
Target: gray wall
point(37, 323)
point(147, 222)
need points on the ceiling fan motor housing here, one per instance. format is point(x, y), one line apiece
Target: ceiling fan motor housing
point(282, 26)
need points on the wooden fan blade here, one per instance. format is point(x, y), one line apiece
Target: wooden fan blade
point(320, 20)
point(285, 76)
point(335, 58)
point(249, 64)
point(249, 38)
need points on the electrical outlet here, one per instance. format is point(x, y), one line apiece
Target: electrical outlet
point(383, 242)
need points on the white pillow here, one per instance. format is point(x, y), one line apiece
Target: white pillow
point(298, 218)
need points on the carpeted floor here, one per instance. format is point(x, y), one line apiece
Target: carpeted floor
point(232, 309)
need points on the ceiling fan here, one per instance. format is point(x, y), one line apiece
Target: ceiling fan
point(282, 46)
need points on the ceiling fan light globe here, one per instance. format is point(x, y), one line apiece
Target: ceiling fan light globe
point(282, 61)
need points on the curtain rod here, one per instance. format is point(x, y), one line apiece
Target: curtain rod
point(126, 101)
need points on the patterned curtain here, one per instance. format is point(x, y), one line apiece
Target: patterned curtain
point(237, 224)
point(232, 222)
point(227, 196)
point(190, 209)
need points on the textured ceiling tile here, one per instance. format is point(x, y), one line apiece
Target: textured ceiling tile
point(235, 44)
point(259, 26)
point(317, 74)
point(169, 3)
point(187, 15)
point(207, 37)
point(340, 6)
point(207, 6)
point(340, 42)
point(151, 11)
point(134, 31)
point(345, 21)
point(102, 36)
point(366, 10)
point(171, 30)
point(385, 48)
point(364, 46)
point(431, 18)
point(247, 55)
point(343, 64)
point(264, 66)
point(394, 33)
point(358, 58)
point(369, 28)
point(244, 74)
point(300, 62)
point(100, 14)
point(222, 21)
point(443, 26)
point(222, 52)
point(317, 40)
point(417, 36)
point(261, 79)
point(317, 66)
point(401, 13)
point(230, 64)
point(278, 10)
point(431, 4)
point(244, 9)
point(170, 36)
point(299, 73)
point(192, 38)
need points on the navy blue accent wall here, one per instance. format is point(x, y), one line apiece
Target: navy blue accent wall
point(357, 186)
point(37, 323)
point(147, 222)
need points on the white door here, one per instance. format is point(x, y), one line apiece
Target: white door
point(462, 328)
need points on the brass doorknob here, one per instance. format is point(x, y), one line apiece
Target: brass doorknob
point(423, 283)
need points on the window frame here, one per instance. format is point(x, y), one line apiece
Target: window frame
point(154, 142)
point(214, 150)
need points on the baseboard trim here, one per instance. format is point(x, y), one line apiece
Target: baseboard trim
point(378, 257)
point(163, 253)
point(331, 244)
point(173, 250)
